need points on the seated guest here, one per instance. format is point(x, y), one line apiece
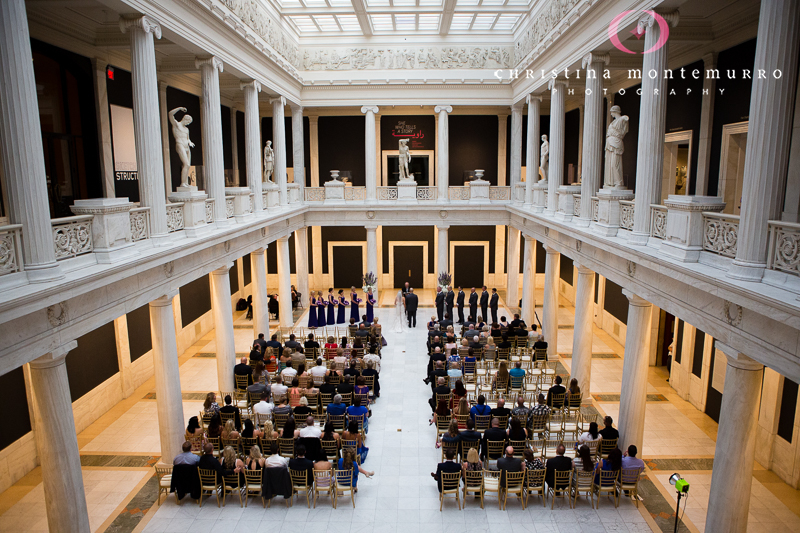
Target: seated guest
point(283, 408)
point(436, 343)
point(501, 379)
point(214, 428)
point(629, 462)
point(439, 371)
point(275, 345)
point(522, 335)
point(501, 409)
point(270, 361)
point(258, 386)
point(364, 321)
point(210, 406)
point(442, 410)
point(337, 407)
point(495, 330)
point(290, 430)
point(430, 325)
point(473, 462)
point(470, 358)
point(370, 371)
point(302, 410)
point(452, 435)
point(514, 324)
point(583, 459)
point(275, 460)
point(264, 407)
point(243, 369)
point(340, 360)
point(441, 388)
point(374, 358)
point(609, 431)
point(574, 392)
point(351, 433)
point(516, 431)
point(558, 388)
point(348, 462)
point(611, 464)
point(327, 387)
point(520, 411)
point(194, 430)
point(293, 344)
point(289, 372)
point(358, 410)
point(186, 457)
point(229, 462)
point(591, 435)
point(509, 463)
point(455, 370)
point(330, 345)
point(345, 387)
point(540, 344)
point(262, 344)
point(250, 431)
point(361, 386)
point(517, 371)
point(297, 359)
point(229, 430)
point(209, 462)
point(450, 346)
point(471, 332)
point(229, 408)
point(318, 370)
point(311, 343)
point(493, 434)
point(459, 392)
point(446, 323)
point(311, 430)
point(256, 354)
point(278, 389)
point(479, 323)
point(504, 343)
point(461, 408)
point(299, 462)
point(470, 434)
point(469, 324)
point(481, 409)
point(449, 466)
point(531, 462)
point(351, 370)
point(362, 330)
point(503, 322)
point(255, 461)
point(559, 463)
point(475, 342)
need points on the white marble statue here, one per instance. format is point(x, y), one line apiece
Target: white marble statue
point(544, 158)
point(183, 145)
point(269, 161)
point(612, 175)
point(404, 158)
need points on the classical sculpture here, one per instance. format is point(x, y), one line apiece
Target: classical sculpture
point(183, 145)
point(269, 161)
point(612, 175)
point(404, 157)
point(544, 158)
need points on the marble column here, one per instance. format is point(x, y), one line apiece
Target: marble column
point(166, 370)
point(301, 260)
point(532, 155)
point(298, 149)
point(652, 118)
point(223, 326)
point(284, 283)
point(706, 126)
point(633, 396)
point(767, 156)
point(731, 479)
point(443, 249)
point(106, 150)
point(529, 282)
point(211, 117)
point(279, 147)
point(21, 143)
point(512, 276)
point(502, 123)
point(313, 148)
point(252, 143)
point(64, 496)
point(372, 252)
point(552, 275)
point(555, 174)
point(258, 267)
point(443, 155)
point(582, 336)
point(164, 115)
point(592, 158)
point(515, 172)
point(369, 151)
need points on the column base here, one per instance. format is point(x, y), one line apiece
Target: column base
point(564, 217)
point(604, 230)
point(538, 208)
point(440, 200)
point(582, 222)
point(161, 239)
point(746, 271)
point(638, 239)
point(44, 273)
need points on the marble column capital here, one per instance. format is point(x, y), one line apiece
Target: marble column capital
point(442, 226)
point(165, 300)
point(737, 359)
point(285, 238)
point(250, 84)
point(557, 84)
point(208, 61)
point(649, 18)
point(710, 60)
point(223, 270)
point(582, 269)
point(533, 97)
point(369, 108)
point(296, 108)
point(595, 57)
point(528, 238)
point(371, 226)
point(278, 100)
point(143, 22)
point(55, 357)
point(443, 108)
point(517, 107)
point(635, 300)
point(98, 63)
point(549, 249)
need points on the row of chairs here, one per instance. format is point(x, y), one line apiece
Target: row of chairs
point(543, 448)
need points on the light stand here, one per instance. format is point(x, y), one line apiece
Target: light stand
point(682, 487)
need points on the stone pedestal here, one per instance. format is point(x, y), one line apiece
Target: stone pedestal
point(194, 210)
point(334, 192)
point(566, 202)
point(407, 191)
point(608, 210)
point(241, 202)
point(479, 192)
point(539, 196)
point(273, 194)
point(293, 190)
point(111, 227)
point(683, 239)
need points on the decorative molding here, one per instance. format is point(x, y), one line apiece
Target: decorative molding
point(143, 22)
point(212, 61)
point(405, 58)
point(631, 268)
point(370, 214)
point(732, 313)
point(263, 232)
point(443, 214)
point(551, 22)
point(546, 231)
point(227, 246)
point(169, 268)
point(578, 245)
point(57, 314)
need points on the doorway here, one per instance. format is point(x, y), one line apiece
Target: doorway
point(731, 166)
point(408, 266)
point(348, 266)
point(470, 261)
point(677, 159)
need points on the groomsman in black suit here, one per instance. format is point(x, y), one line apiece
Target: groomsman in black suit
point(460, 303)
point(493, 305)
point(439, 303)
point(485, 304)
point(411, 307)
point(448, 301)
point(473, 303)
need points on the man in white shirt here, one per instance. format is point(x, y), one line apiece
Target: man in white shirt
point(288, 373)
point(275, 460)
point(279, 389)
point(310, 430)
point(319, 370)
point(264, 407)
point(376, 361)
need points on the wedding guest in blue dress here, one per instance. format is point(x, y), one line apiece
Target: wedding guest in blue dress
point(370, 302)
point(340, 318)
point(321, 312)
point(354, 301)
point(331, 308)
point(312, 313)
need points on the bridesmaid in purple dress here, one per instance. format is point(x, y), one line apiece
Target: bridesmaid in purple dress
point(331, 320)
point(312, 313)
point(340, 318)
point(321, 312)
point(370, 302)
point(354, 301)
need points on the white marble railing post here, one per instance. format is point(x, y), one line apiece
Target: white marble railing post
point(729, 496)
point(298, 148)
point(552, 276)
point(652, 117)
point(223, 326)
point(633, 395)
point(512, 277)
point(767, 155)
point(372, 253)
point(443, 147)
point(529, 282)
point(284, 283)
point(592, 158)
point(252, 143)
point(515, 172)
point(443, 249)
point(211, 113)
point(582, 337)
point(258, 266)
point(369, 151)
point(555, 174)
point(301, 260)
point(167, 376)
point(279, 147)
point(64, 496)
point(21, 143)
point(532, 155)
point(706, 126)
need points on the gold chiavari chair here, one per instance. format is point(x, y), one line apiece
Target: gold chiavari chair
point(473, 484)
point(569, 448)
point(279, 420)
point(503, 420)
point(215, 442)
point(570, 424)
point(491, 483)
point(242, 382)
point(344, 483)
point(450, 485)
point(537, 446)
point(451, 446)
point(442, 424)
point(209, 484)
point(286, 447)
point(561, 486)
point(582, 481)
point(323, 484)
point(494, 450)
point(253, 486)
point(339, 422)
point(164, 477)
point(518, 445)
point(514, 484)
point(466, 445)
point(347, 398)
point(539, 425)
point(555, 423)
point(605, 446)
point(331, 449)
point(248, 443)
point(231, 485)
point(534, 484)
point(540, 354)
point(550, 446)
point(300, 484)
point(628, 482)
point(607, 484)
point(482, 422)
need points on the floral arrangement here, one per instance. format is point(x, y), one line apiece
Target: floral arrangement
point(444, 279)
point(369, 281)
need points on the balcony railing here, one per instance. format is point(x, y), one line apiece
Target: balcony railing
point(229, 207)
point(250, 202)
point(720, 233)
point(576, 205)
point(72, 236)
point(626, 214)
point(174, 217)
point(519, 192)
point(499, 194)
point(658, 221)
point(425, 194)
point(595, 208)
point(352, 194)
point(458, 193)
point(784, 247)
point(387, 193)
point(209, 210)
point(313, 194)
point(11, 249)
point(140, 223)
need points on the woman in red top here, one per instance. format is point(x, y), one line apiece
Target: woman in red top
point(269, 360)
point(330, 348)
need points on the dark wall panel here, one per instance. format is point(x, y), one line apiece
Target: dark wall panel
point(697, 359)
point(139, 336)
point(541, 257)
point(615, 302)
point(408, 233)
point(246, 273)
point(787, 411)
point(679, 342)
point(475, 233)
point(473, 145)
point(572, 129)
point(16, 419)
point(195, 300)
point(266, 135)
point(233, 276)
point(420, 130)
point(240, 149)
point(93, 361)
point(178, 98)
point(272, 257)
point(340, 233)
point(629, 105)
point(566, 269)
point(227, 139)
point(683, 110)
point(342, 148)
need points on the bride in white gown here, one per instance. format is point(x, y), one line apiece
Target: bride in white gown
point(399, 317)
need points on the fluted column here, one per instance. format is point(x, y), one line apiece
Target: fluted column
point(258, 267)
point(100, 72)
point(731, 479)
point(532, 155)
point(555, 174)
point(301, 260)
point(21, 141)
point(552, 274)
point(633, 396)
point(64, 496)
point(223, 326)
point(443, 147)
point(706, 126)
point(515, 172)
point(163, 113)
point(592, 158)
point(169, 405)
point(279, 147)
point(298, 148)
point(369, 151)
point(767, 156)
point(252, 143)
point(284, 283)
point(211, 113)
point(443, 249)
point(582, 336)
point(529, 281)
point(652, 117)
point(512, 277)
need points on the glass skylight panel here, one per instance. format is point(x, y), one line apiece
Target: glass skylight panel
point(326, 22)
point(493, 2)
point(348, 22)
point(405, 22)
point(429, 3)
point(506, 21)
point(467, 2)
point(377, 3)
point(340, 3)
point(404, 3)
point(315, 3)
point(304, 23)
point(461, 21)
point(291, 3)
point(518, 2)
point(428, 21)
point(382, 22)
point(484, 21)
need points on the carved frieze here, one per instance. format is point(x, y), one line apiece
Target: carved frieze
point(402, 58)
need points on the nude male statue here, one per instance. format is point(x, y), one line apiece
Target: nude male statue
point(404, 156)
point(183, 145)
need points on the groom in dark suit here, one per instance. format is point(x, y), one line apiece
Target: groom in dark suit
point(473, 304)
point(460, 303)
point(493, 302)
point(448, 301)
point(439, 303)
point(411, 307)
point(485, 304)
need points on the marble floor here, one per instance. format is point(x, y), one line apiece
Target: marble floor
point(124, 443)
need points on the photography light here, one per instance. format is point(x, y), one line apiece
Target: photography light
point(682, 486)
